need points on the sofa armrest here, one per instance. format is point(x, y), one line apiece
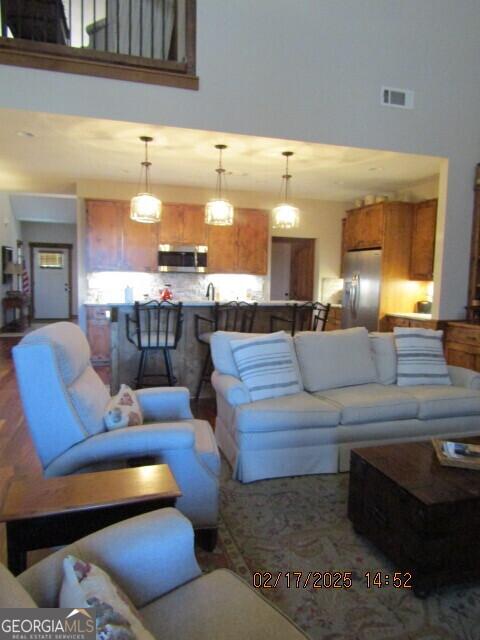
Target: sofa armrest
point(165, 403)
point(231, 388)
point(121, 444)
point(462, 377)
point(147, 556)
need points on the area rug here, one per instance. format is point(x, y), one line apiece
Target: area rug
point(300, 525)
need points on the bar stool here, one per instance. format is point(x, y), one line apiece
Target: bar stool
point(155, 326)
point(228, 316)
point(310, 316)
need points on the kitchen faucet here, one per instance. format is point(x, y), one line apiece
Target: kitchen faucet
point(212, 289)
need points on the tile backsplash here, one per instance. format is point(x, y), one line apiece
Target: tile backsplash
point(109, 286)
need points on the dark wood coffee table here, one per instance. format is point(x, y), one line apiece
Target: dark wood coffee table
point(47, 512)
point(423, 516)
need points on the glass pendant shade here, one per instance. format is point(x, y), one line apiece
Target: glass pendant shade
point(219, 212)
point(145, 208)
point(285, 216)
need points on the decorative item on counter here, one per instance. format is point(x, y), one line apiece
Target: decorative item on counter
point(129, 294)
point(166, 293)
point(358, 202)
point(370, 199)
point(379, 199)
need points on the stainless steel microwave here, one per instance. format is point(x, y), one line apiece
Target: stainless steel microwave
point(182, 258)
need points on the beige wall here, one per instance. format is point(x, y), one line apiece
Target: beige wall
point(421, 190)
point(9, 234)
point(320, 220)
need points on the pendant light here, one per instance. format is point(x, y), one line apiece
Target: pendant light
point(145, 207)
point(285, 216)
point(219, 211)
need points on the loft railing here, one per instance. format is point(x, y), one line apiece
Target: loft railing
point(140, 40)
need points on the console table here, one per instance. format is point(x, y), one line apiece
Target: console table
point(12, 304)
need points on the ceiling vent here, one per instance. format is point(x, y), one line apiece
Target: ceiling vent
point(402, 98)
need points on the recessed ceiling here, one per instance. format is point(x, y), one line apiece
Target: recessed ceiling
point(65, 149)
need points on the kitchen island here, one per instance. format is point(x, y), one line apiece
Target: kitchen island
point(187, 358)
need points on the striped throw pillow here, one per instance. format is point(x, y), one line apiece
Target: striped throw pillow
point(267, 365)
point(420, 358)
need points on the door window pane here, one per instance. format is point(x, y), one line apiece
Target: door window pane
point(50, 260)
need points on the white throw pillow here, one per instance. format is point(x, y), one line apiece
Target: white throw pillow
point(420, 358)
point(267, 365)
point(86, 585)
point(332, 359)
point(123, 410)
point(384, 356)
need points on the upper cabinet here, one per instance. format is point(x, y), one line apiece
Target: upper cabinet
point(116, 243)
point(104, 235)
point(423, 240)
point(241, 247)
point(364, 227)
point(183, 223)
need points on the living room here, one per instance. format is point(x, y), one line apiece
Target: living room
point(324, 88)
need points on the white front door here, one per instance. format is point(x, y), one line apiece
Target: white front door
point(51, 280)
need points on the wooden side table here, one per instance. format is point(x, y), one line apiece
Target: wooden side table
point(47, 512)
point(12, 303)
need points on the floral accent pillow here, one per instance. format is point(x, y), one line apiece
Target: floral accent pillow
point(86, 585)
point(123, 410)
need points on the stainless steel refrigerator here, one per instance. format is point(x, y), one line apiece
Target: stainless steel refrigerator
point(361, 293)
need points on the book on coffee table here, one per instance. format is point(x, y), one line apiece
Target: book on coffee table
point(457, 454)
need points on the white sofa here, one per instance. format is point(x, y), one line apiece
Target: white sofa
point(313, 431)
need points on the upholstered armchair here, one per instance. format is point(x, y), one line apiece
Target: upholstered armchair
point(64, 401)
point(151, 557)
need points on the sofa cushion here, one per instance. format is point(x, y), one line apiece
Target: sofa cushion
point(301, 410)
point(420, 358)
point(222, 355)
point(71, 348)
point(267, 366)
point(371, 403)
point(12, 594)
point(217, 605)
point(86, 585)
point(384, 356)
point(331, 359)
point(90, 397)
point(442, 401)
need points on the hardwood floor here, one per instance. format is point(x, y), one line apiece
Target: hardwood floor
point(17, 454)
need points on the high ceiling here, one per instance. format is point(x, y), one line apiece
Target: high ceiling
point(64, 150)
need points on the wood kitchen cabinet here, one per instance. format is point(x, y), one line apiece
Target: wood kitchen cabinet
point(104, 235)
point(241, 247)
point(252, 239)
point(364, 227)
point(396, 321)
point(98, 333)
point(423, 240)
point(116, 243)
point(140, 244)
point(334, 320)
point(183, 224)
point(462, 345)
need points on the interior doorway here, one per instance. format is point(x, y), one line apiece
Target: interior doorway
point(51, 274)
point(292, 268)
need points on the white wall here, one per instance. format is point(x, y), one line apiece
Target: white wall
point(53, 232)
point(312, 70)
point(319, 219)
point(9, 234)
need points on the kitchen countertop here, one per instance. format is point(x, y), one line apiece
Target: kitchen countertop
point(200, 303)
point(412, 316)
